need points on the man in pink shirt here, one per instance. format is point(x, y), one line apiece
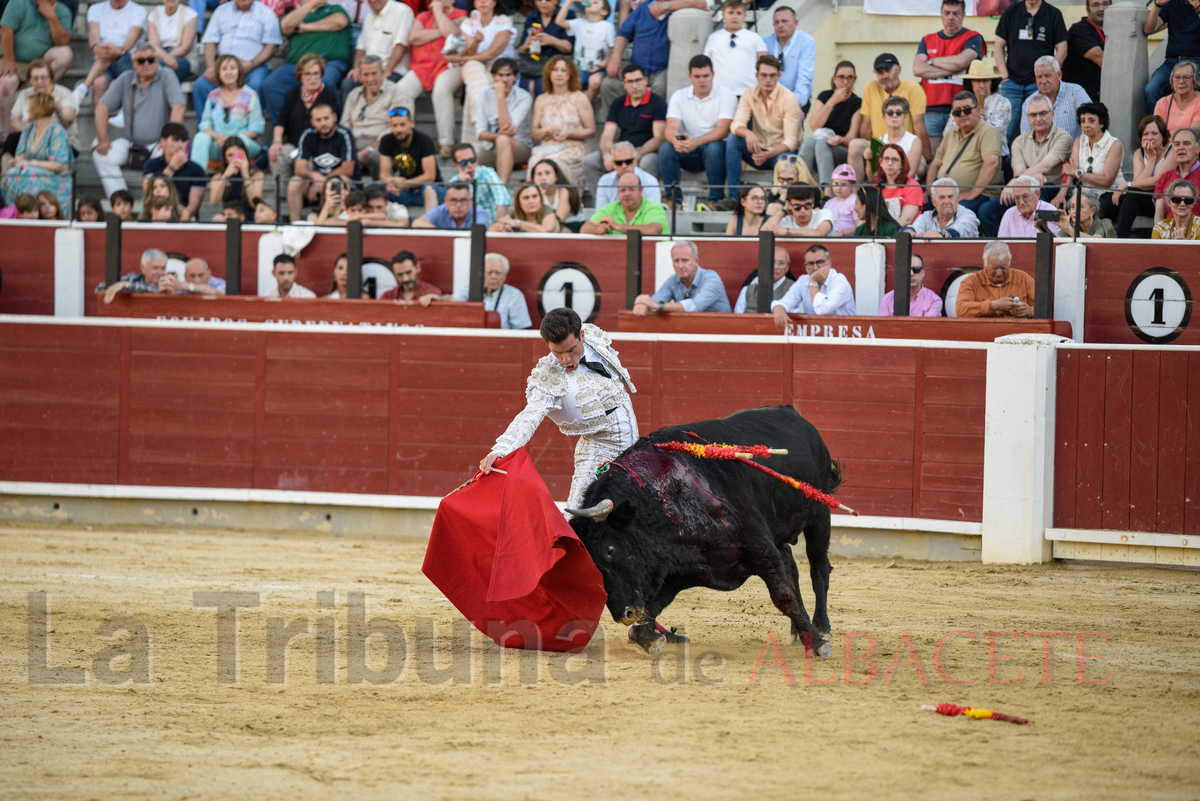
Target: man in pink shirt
point(1020, 221)
point(922, 302)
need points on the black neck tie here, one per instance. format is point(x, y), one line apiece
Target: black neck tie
point(595, 367)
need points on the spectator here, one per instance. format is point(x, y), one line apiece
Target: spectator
point(1091, 224)
point(691, 289)
point(264, 213)
point(1096, 157)
point(801, 217)
point(887, 84)
point(343, 207)
point(630, 211)
point(172, 34)
point(646, 30)
point(734, 51)
point(1065, 98)
point(498, 296)
point(121, 203)
point(950, 218)
point(187, 177)
point(530, 214)
point(1180, 108)
point(562, 119)
point(826, 291)
point(248, 30)
point(385, 32)
point(408, 163)
point(895, 114)
point(903, 194)
point(1038, 154)
point(624, 158)
point(789, 171)
point(326, 150)
point(367, 109)
point(232, 210)
point(1186, 144)
point(236, 178)
point(1183, 44)
point(286, 286)
point(997, 111)
point(922, 302)
point(458, 212)
point(1020, 221)
point(872, 209)
point(1150, 161)
point(384, 214)
point(341, 269)
point(31, 30)
point(409, 285)
point(640, 117)
point(25, 208)
point(970, 154)
point(428, 70)
point(836, 120)
point(698, 120)
point(747, 302)
point(490, 192)
point(49, 207)
point(197, 280)
point(315, 26)
point(160, 186)
point(296, 114)
point(842, 204)
point(1026, 32)
point(594, 38)
point(114, 28)
point(796, 51)
point(1085, 49)
point(559, 194)
point(489, 36)
point(159, 101)
point(231, 110)
point(90, 209)
point(997, 290)
point(777, 119)
point(502, 120)
point(941, 63)
point(750, 212)
point(542, 37)
point(149, 279)
point(1182, 222)
point(41, 83)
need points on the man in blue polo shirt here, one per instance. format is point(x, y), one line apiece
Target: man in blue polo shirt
point(691, 289)
point(455, 213)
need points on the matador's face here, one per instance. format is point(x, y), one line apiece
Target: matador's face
point(569, 351)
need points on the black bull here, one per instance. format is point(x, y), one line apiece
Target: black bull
point(678, 521)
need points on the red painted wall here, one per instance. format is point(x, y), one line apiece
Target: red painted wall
point(413, 414)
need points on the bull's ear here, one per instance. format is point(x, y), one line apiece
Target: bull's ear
point(621, 516)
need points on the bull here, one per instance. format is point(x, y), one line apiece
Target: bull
point(658, 522)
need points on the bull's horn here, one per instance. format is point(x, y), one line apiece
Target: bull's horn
point(597, 512)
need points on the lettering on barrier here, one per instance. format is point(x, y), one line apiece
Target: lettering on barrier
point(337, 323)
point(572, 285)
point(834, 330)
point(1158, 305)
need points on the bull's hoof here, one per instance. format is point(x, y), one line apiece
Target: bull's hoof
point(826, 650)
point(646, 636)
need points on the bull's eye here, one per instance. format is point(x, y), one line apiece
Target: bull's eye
point(610, 550)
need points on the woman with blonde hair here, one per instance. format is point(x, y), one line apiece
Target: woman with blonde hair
point(43, 157)
point(789, 169)
point(562, 118)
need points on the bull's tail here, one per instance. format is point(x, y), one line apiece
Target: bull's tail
point(835, 475)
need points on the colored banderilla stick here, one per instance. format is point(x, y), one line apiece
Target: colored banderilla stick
point(744, 453)
point(950, 710)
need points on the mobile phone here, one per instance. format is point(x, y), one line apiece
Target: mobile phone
point(238, 157)
point(680, 137)
point(1048, 216)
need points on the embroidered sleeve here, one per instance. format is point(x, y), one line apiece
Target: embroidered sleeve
point(544, 391)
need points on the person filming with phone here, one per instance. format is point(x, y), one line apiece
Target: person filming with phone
point(997, 290)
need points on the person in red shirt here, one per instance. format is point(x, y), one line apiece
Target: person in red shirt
point(407, 270)
point(428, 70)
point(1186, 147)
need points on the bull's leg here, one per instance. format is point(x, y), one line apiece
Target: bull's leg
point(649, 633)
point(789, 562)
point(816, 545)
point(769, 565)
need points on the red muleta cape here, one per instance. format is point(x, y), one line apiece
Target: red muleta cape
point(503, 554)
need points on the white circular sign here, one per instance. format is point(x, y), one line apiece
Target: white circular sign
point(571, 285)
point(1158, 305)
point(950, 289)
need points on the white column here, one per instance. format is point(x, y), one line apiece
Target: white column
point(870, 267)
point(1069, 285)
point(269, 246)
point(462, 264)
point(663, 268)
point(1018, 449)
point(68, 272)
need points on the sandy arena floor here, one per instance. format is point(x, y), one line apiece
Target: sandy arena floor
point(605, 724)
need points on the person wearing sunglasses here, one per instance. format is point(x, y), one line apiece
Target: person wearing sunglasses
point(232, 109)
point(491, 194)
point(1182, 222)
point(624, 158)
point(1186, 145)
point(922, 301)
point(408, 164)
point(640, 118)
point(366, 111)
point(159, 101)
point(970, 154)
point(823, 291)
point(888, 84)
point(734, 50)
point(895, 115)
point(801, 216)
point(114, 28)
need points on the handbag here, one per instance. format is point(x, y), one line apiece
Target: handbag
point(138, 154)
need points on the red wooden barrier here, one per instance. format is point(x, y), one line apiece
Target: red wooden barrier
point(27, 269)
point(1127, 449)
point(405, 413)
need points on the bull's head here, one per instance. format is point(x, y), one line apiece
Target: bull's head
point(624, 556)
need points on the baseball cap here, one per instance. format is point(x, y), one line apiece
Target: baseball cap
point(846, 172)
point(885, 61)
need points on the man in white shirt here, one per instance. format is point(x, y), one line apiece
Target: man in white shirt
point(385, 34)
point(698, 120)
point(734, 50)
point(285, 277)
point(748, 298)
point(824, 291)
point(114, 27)
point(625, 159)
point(797, 51)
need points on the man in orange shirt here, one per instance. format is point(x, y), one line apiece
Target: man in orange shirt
point(997, 290)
